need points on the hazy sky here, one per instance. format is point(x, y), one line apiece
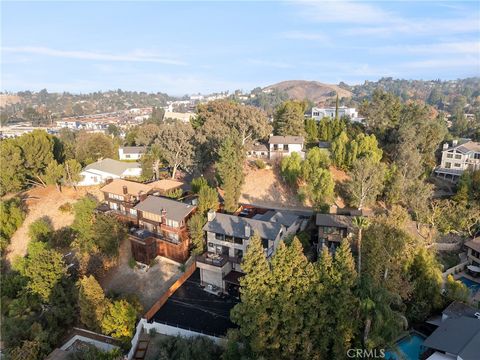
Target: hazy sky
point(189, 47)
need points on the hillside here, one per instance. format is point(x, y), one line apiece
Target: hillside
point(311, 90)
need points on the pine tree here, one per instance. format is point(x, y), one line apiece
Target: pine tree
point(230, 170)
point(289, 119)
point(92, 302)
point(195, 229)
point(252, 314)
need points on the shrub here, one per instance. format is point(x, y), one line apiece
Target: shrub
point(260, 164)
point(66, 208)
point(182, 267)
point(40, 230)
point(198, 183)
point(174, 194)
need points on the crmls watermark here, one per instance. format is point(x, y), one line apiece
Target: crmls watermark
point(366, 354)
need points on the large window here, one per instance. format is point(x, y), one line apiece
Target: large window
point(458, 156)
point(133, 212)
point(172, 223)
point(153, 217)
point(115, 196)
point(219, 237)
point(450, 156)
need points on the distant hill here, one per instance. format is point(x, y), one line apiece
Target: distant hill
point(312, 90)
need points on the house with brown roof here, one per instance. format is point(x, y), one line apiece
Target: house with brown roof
point(280, 146)
point(162, 229)
point(332, 229)
point(121, 196)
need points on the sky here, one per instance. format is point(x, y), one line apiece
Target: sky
point(191, 47)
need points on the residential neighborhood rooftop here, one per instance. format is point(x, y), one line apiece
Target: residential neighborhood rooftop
point(286, 140)
point(458, 309)
point(112, 166)
point(133, 149)
point(231, 225)
point(281, 217)
point(458, 336)
point(176, 210)
point(333, 220)
point(117, 186)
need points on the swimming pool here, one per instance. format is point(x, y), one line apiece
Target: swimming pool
point(409, 348)
point(471, 285)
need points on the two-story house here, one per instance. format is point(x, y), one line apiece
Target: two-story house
point(332, 229)
point(343, 111)
point(279, 146)
point(162, 229)
point(131, 152)
point(227, 238)
point(462, 155)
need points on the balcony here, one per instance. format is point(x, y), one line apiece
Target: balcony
point(217, 259)
point(143, 234)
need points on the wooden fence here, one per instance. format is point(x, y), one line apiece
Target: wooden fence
point(163, 299)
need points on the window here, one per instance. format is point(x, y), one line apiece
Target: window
point(115, 196)
point(476, 156)
point(458, 156)
point(457, 165)
point(275, 147)
point(211, 245)
point(113, 206)
point(153, 217)
point(285, 147)
point(219, 236)
point(133, 212)
point(450, 156)
point(172, 236)
point(127, 156)
point(448, 165)
point(172, 223)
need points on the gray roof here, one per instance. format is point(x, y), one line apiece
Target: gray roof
point(258, 147)
point(112, 166)
point(232, 225)
point(133, 149)
point(460, 337)
point(286, 140)
point(281, 217)
point(331, 220)
point(458, 309)
point(176, 210)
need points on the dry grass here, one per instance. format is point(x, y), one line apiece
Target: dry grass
point(44, 203)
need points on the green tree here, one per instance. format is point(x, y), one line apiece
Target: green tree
point(426, 278)
point(291, 167)
point(40, 230)
point(71, 172)
point(251, 314)
point(319, 188)
point(198, 183)
point(12, 168)
point(207, 199)
point(30, 350)
point(230, 170)
point(455, 290)
point(311, 129)
point(316, 158)
point(91, 147)
point(360, 224)
point(83, 224)
point(91, 302)
point(175, 140)
point(119, 320)
point(289, 119)
point(339, 150)
point(54, 174)
point(195, 229)
point(366, 182)
point(108, 234)
point(44, 268)
point(11, 216)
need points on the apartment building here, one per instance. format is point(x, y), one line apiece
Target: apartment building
point(461, 155)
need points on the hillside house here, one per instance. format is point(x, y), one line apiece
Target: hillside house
point(343, 111)
point(162, 229)
point(102, 170)
point(227, 238)
point(462, 155)
point(131, 152)
point(280, 146)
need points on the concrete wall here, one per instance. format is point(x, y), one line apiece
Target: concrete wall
point(176, 331)
point(456, 269)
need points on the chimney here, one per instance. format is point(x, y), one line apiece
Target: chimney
point(143, 196)
point(125, 189)
point(248, 231)
point(445, 146)
point(211, 215)
point(455, 142)
point(164, 216)
point(333, 209)
point(109, 180)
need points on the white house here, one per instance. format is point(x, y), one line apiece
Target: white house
point(280, 146)
point(464, 154)
point(100, 171)
point(319, 113)
point(131, 152)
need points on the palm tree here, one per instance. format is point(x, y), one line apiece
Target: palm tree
point(360, 223)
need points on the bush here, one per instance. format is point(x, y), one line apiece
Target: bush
point(62, 237)
point(132, 263)
point(66, 208)
point(174, 194)
point(198, 183)
point(182, 268)
point(40, 230)
point(260, 164)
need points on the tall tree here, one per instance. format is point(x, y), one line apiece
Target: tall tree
point(71, 172)
point(360, 223)
point(366, 182)
point(207, 199)
point(230, 170)
point(195, 229)
point(92, 302)
point(12, 168)
point(319, 188)
point(311, 129)
point(289, 119)
point(93, 146)
point(119, 320)
point(291, 168)
point(175, 140)
point(54, 174)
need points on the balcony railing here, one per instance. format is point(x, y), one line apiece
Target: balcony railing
point(142, 234)
point(217, 259)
